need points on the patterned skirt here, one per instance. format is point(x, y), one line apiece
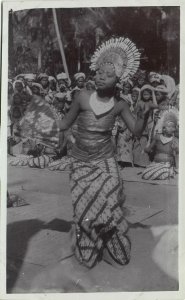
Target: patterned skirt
point(97, 197)
point(158, 171)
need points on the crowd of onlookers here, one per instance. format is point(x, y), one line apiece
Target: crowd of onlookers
point(59, 93)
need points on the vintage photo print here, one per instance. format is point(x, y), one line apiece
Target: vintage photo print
point(91, 150)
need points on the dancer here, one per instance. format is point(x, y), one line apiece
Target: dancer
point(96, 185)
point(165, 150)
point(100, 228)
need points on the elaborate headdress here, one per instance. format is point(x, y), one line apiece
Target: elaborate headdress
point(121, 53)
point(171, 115)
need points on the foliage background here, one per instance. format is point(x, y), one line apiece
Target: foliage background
point(33, 45)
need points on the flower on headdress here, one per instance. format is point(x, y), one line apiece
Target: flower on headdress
point(170, 116)
point(121, 53)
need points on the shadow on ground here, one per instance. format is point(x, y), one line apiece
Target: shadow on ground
point(18, 237)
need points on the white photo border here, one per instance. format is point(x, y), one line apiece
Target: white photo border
point(20, 5)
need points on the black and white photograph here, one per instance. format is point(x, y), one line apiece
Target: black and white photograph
point(91, 120)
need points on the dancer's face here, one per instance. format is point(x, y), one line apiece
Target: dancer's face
point(169, 128)
point(106, 77)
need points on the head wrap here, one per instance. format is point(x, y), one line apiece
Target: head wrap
point(121, 53)
point(19, 76)
point(170, 84)
point(154, 77)
point(42, 75)
point(79, 75)
point(29, 76)
point(17, 81)
point(62, 76)
point(136, 89)
point(146, 87)
point(38, 85)
point(51, 78)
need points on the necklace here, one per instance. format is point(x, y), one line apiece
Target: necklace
point(100, 107)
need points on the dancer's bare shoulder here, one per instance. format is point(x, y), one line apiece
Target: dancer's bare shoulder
point(83, 98)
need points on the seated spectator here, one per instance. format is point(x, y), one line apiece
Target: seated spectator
point(28, 80)
point(44, 82)
point(165, 151)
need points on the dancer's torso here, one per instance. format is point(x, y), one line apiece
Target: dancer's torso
point(93, 136)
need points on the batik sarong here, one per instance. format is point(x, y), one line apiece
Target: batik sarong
point(158, 171)
point(97, 197)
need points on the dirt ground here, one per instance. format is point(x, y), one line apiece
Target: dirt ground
point(39, 255)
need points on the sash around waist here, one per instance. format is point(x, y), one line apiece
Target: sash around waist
point(93, 151)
